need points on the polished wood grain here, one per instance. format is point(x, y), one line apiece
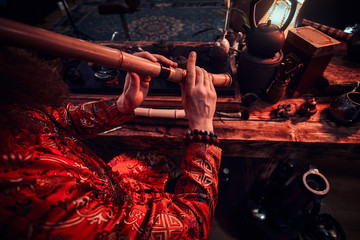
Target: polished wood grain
point(341, 74)
point(262, 135)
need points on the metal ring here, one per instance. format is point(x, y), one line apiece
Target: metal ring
point(164, 72)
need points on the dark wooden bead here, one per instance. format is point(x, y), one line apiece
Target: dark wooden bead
point(206, 139)
point(188, 133)
point(201, 136)
point(188, 137)
point(213, 140)
point(197, 138)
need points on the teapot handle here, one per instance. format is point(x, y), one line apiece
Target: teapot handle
point(291, 14)
point(252, 13)
point(288, 20)
point(357, 87)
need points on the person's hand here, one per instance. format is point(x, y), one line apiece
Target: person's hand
point(198, 96)
point(136, 87)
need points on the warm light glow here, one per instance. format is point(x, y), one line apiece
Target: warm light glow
point(279, 11)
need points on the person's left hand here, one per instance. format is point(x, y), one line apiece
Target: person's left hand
point(136, 86)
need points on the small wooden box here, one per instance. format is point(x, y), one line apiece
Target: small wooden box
point(314, 50)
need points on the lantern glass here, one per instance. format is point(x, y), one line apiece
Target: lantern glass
point(279, 11)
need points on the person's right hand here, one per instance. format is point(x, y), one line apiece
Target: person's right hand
point(198, 96)
point(136, 87)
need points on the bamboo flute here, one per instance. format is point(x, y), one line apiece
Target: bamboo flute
point(48, 42)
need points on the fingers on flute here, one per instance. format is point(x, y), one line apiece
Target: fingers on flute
point(127, 79)
point(146, 55)
point(156, 58)
point(191, 72)
point(145, 81)
point(211, 83)
point(206, 78)
point(134, 81)
point(199, 76)
point(165, 61)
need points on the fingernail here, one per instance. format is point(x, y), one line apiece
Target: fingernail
point(193, 54)
point(147, 79)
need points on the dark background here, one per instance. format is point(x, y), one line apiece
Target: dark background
point(27, 11)
point(334, 13)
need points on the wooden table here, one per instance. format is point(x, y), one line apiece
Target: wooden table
point(341, 74)
point(263, 135)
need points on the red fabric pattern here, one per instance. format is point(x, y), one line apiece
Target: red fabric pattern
point(53, 187)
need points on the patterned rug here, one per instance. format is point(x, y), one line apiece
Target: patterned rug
point(155, 20)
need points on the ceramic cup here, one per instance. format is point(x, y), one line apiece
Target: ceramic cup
point(305, 193)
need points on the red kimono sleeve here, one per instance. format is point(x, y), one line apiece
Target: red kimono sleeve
point(88, 119)
point(197, 189)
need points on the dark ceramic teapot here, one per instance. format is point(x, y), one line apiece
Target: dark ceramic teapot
point(266, 39)
point(345, 109)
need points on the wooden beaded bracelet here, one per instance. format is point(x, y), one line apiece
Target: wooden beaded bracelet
point(201, 136)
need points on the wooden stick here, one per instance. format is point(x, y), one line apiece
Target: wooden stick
point(160, 113)
point(42, 40)
point(180, 113)
point(332, 32)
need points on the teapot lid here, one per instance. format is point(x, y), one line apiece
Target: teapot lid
point(268, 27)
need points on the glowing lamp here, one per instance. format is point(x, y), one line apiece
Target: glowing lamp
point(279, 12)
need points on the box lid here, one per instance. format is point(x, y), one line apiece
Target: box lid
point(312, 41)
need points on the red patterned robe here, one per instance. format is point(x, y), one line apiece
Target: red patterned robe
point(53, 187)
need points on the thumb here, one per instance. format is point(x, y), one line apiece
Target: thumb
point(134, 84)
